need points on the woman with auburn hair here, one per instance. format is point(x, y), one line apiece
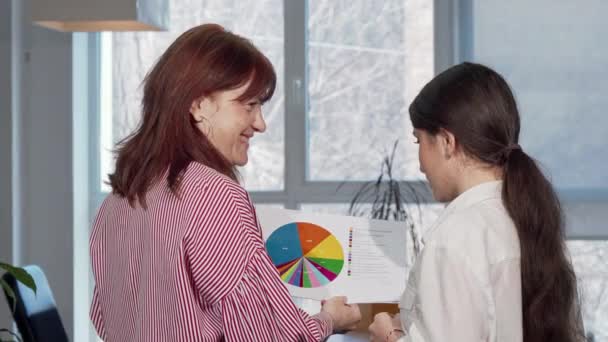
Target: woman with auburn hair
point(494, 266)
point(176, 248)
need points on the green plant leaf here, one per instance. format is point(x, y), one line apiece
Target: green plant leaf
point(21, 275)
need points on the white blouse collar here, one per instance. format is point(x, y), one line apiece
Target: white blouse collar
point(476, 194)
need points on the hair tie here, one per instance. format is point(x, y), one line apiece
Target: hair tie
point(513, 147)
point(508, 150)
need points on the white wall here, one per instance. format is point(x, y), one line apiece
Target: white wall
point(43, 153)
point(48, 200)
point(6, 207)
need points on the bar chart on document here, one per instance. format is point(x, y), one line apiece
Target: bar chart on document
point(319, 256)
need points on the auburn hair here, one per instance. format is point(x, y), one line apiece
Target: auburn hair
point(203, 60)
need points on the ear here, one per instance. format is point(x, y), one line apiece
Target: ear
point(203, 108)
point(448, 143)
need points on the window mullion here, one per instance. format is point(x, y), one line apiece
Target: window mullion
point(447, 33)
point(342, 192)
point(295, 100)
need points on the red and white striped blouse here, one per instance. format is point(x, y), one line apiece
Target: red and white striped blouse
point(192, 268)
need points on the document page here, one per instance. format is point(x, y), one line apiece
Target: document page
point(319, 256)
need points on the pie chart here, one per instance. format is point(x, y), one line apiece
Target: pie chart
point(305, 254)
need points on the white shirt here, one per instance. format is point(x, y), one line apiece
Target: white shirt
point(466, 283)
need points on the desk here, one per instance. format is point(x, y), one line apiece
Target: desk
point(368, 311)
point(353, 336)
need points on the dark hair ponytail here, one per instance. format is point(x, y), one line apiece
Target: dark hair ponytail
point(476, 104)
point(550, 301)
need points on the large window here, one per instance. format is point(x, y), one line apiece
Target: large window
point(364, 61)
point(590, 259)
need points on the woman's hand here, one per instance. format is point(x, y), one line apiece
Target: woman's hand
point(385, 328)
point(344, 316)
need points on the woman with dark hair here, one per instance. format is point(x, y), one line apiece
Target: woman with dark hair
point(176, 248)
point(494, 266)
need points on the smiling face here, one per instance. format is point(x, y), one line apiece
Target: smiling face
point(229, 123)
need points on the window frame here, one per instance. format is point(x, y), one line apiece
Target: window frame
point(297, 188)
point(453, 29)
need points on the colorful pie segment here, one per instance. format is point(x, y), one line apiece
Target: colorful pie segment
point(305, 254)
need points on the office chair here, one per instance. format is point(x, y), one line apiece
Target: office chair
point(36, 315)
